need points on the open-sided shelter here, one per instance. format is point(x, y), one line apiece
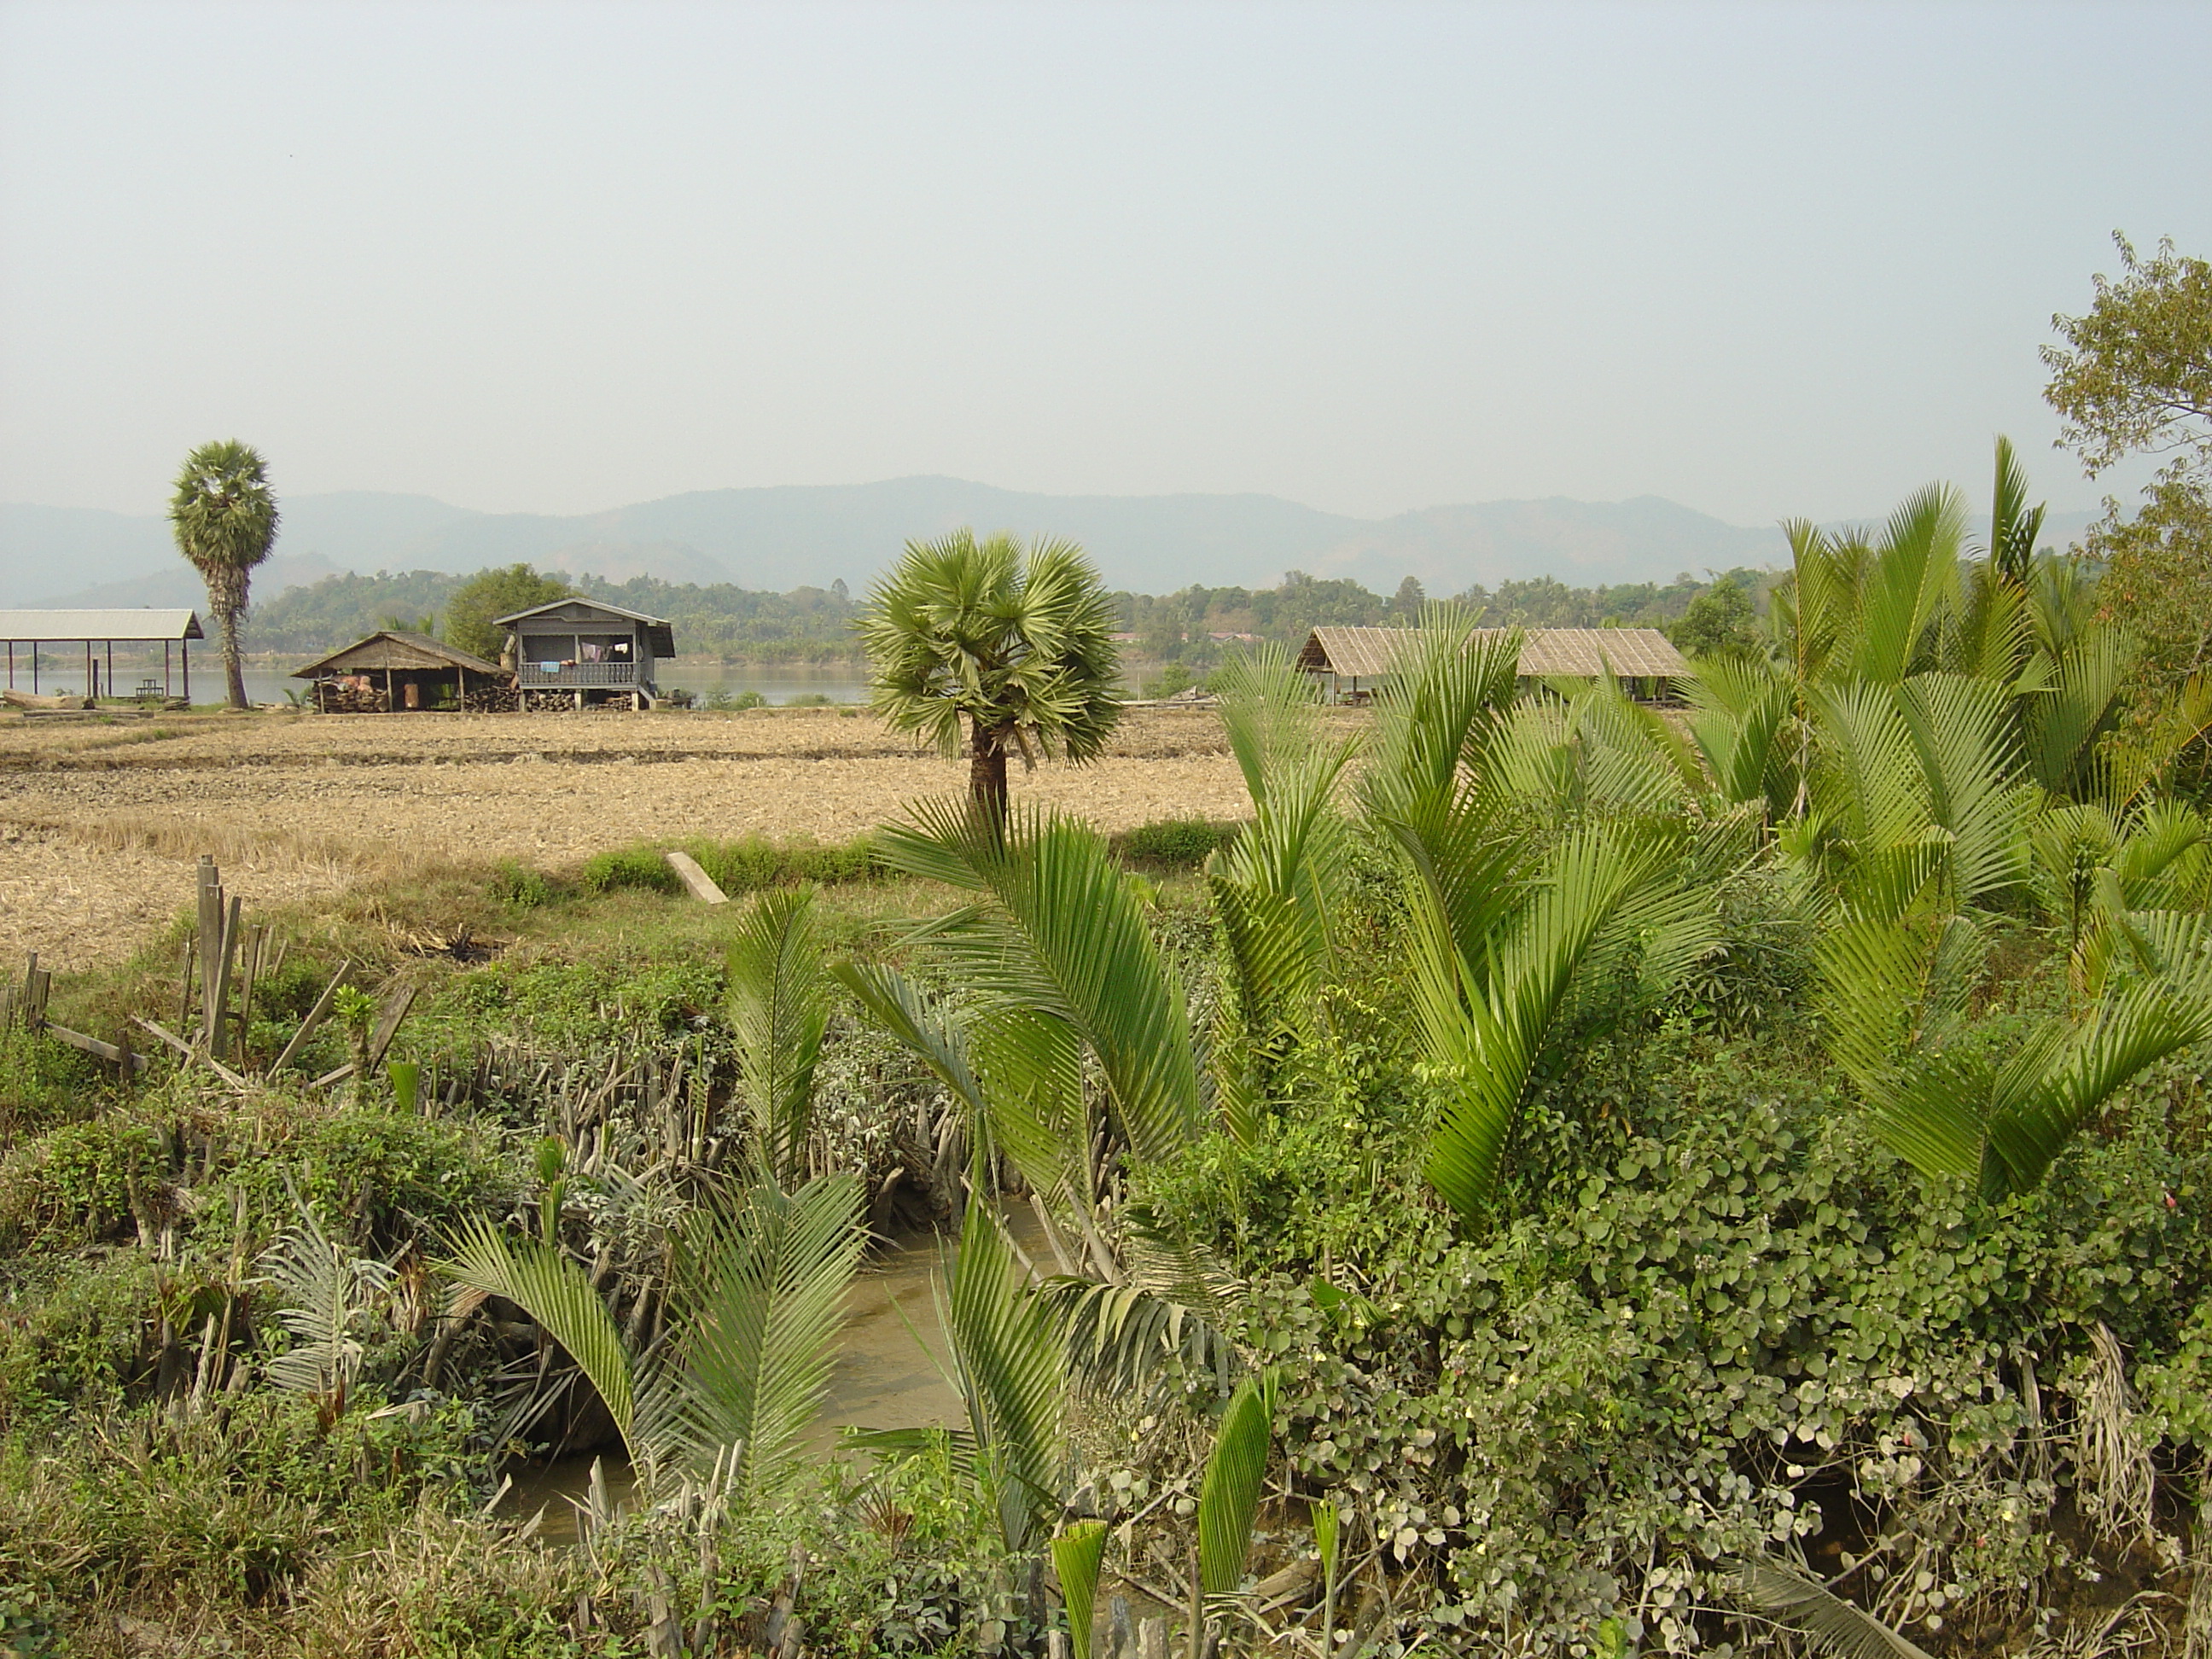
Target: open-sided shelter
point(1353, 662)
point(395, 670)
point(601, 653)
point(24, 631)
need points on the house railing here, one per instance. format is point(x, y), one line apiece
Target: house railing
point(577, 673)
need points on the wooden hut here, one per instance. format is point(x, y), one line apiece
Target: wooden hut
point(598, 653)
point(394, 670)
point(1353, 662)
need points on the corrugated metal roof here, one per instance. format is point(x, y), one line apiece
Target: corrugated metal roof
point(395, 647)
point(1581, 653)
point(141, 623)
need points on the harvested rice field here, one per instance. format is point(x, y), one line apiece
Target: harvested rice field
point(100, 822)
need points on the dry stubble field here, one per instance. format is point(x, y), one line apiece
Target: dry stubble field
point(100, 822)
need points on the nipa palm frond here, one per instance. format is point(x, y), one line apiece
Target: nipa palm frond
point(556, 1293)
point(761, 1279)
point(1011, 1366)
point(1487, 1041)
point(779, 1007)
point(1065, 937)
point(325, 1291)
point(1835, 1625)
point(1229, 1495)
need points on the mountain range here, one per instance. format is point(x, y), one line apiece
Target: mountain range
point(784, 537)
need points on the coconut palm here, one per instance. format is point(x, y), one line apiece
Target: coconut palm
point(225, 520)
point(1013, 643)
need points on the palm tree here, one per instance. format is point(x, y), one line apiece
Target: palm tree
point(1015, 641)
point(225, 520)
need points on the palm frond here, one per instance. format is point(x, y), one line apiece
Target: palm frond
point(1077, 1555)
point(761, 1277)
point(324, 1291)
point(1832, 1624)
point(1912, 584)
point(558, 1295)
point(1229, 1495)
point(2055, 1086)
point(779, 1007)
point(1174, 1301)
point(2083, 702)
point(1064, 937)
point(1011, 1368)
point(1486, 1037)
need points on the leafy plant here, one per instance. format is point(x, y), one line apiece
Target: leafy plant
point(1077, 1555)
point(779, 1007)
point(1229, 1498)
point(328, 1294)
point(756, 1299)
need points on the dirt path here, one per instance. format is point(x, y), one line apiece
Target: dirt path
point(100, 823)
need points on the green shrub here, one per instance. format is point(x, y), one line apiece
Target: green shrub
point(639, 866)
point(744, 866)
point(753, 863)
point(518, 887)
point(1174, 843)
point(233, 1507)
point(79, 1334)
point(377, 1175)
point(74, 1184)
point(43, 1082)
point(810, 700)
point(1172, 681)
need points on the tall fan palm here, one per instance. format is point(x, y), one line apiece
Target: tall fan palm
point(1015, 643)
point(225, 520)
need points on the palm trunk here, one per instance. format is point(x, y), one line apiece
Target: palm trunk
point(227, 599)
point(987, 771)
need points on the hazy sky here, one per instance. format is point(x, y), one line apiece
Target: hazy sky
point(1764, 260)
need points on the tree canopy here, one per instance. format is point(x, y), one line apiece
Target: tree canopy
point(500, 592)
point(2134, 377)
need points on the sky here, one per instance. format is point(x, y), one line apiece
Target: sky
point(1764, 260)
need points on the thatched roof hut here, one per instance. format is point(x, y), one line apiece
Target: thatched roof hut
point(1644, 656)
point(395, 669)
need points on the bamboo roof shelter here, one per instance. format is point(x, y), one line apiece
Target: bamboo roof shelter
point(394, 668)
point(126, 625)
point(1644, 657)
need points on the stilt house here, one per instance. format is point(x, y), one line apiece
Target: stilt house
point(601, 653)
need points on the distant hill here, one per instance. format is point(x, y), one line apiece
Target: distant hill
point(782, 538)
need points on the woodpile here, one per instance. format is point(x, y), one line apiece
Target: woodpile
point(337, 697)
point(498, 698)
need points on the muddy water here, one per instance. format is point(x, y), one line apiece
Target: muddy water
point(891, 1372)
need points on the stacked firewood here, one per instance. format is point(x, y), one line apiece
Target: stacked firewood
point(495, 699)
point(337, 697)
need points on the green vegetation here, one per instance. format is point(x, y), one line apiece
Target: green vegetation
point(1193, 632)
point(2134, 377)
point(225, 519)
point(1561, 1174)
point(470, 607)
